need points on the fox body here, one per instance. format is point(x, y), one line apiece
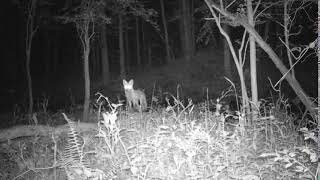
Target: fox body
point(135, 98)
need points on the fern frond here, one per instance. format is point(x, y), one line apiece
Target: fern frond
point(73, 151)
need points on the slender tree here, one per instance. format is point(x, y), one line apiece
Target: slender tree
point(121, 47)
point(32, 25)
point(238, 60)
point(126, 42)
point(104, 55)
point(253, 62)
point(165, 29)
point(226, 54)
point(144, 42)
point(187, 30)
point(286, 29)
point(138, 42)
point(31, 29)
point(85, 18)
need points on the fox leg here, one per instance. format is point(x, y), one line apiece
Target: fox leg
point(129, 105)
point(141, 105)
point(138, 105)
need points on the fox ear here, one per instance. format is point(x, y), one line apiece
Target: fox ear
point(124, 82)
point(131, 82)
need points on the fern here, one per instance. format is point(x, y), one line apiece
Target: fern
point(74, 149)
point(72, 158)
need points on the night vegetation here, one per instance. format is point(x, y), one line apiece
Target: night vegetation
point(219, 90)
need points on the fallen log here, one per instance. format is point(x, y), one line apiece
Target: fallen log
point(42, 130)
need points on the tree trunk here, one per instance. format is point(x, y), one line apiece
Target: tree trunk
point(144, 44)
point(253, 63)
point(286, 20)
point(127, 50)
point(187, 30)
point(165, 29)
point(55, 54)
point(30, 31)
point(181, 30)
point(226, 52)
point(266, 31)
point(149, 53)
point(93, 64)
point(99, 63)
point(29, 79)
point(244, 94)
point(138, 43)
point(104, 56)
point(192, 28)
point(121, 47)
point(86, 53)
point(273, 56)
point(48, 57)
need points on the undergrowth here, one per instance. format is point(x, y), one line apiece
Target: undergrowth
point(182, 140)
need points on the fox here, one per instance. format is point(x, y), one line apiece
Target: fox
point(135, 98)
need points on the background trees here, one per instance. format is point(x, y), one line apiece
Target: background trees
point(169, 34)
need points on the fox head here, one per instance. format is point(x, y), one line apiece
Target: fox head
point(128, 85)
